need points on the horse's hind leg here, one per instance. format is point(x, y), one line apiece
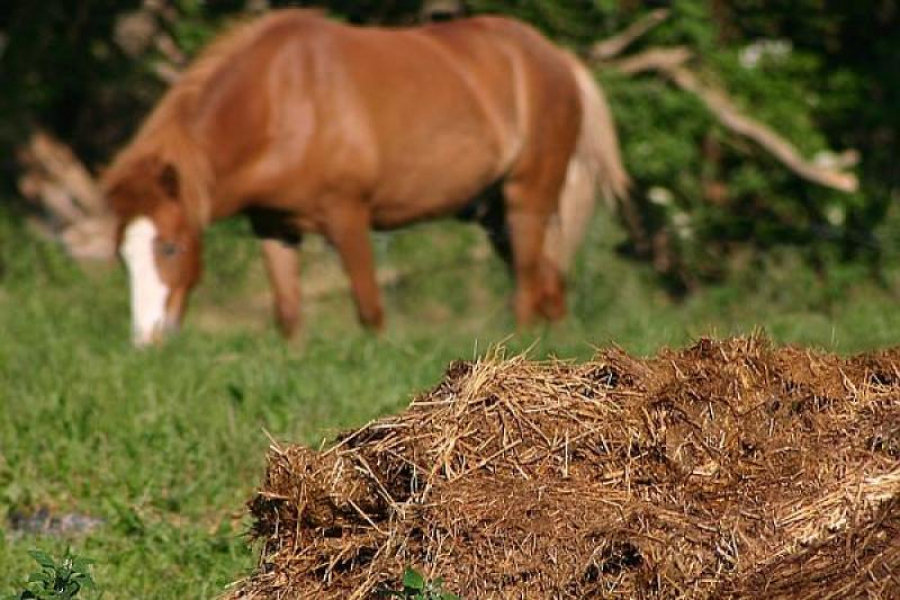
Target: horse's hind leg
point(553, 291)
point(528, 214)
point(492, 217)
point(348, 231)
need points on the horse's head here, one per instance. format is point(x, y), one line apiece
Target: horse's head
point(160, 245)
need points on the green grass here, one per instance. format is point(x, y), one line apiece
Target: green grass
point(166, 445)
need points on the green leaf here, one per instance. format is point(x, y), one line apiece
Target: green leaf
point(72, 589)
point(40, 576)
point(87, 582)
point(42, 558)
point(449, 596)
point(413, 580)
point(81, 564)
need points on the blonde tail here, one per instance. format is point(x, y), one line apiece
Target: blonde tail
point(596, 164)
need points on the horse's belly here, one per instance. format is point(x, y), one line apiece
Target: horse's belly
point(398, 214)
point(427, 193)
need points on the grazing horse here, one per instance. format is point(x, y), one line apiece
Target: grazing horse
point(308, 125)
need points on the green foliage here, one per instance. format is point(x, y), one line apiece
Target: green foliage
point(195, 27)
point(57, 581)
point(416, 587)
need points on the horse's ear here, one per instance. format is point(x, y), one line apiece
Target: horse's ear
point(168, 179)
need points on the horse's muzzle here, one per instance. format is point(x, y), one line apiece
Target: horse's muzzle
point(156, 335)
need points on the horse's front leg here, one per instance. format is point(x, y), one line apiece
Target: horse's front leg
point(347, 229)
point(282, 264)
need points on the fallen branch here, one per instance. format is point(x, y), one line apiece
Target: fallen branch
point(49, 162)
point(655, 59)
point(611, 47)
point(68, 196)
point(670, 63)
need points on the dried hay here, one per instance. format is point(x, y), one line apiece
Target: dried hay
point(729, 469)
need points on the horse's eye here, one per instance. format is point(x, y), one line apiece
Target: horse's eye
point(167, 249)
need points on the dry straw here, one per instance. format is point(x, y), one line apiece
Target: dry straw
point(730, 469)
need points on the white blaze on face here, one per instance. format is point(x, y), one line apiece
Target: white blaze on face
point(148, 292)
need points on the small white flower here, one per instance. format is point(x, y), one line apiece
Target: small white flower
point(835, 215)
point(660, 196)
point(751, 54)
point(681, 220)
point(643, 149)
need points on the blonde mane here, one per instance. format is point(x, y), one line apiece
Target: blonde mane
point(165, 134)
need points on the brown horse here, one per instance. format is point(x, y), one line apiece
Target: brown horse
point(307, 125)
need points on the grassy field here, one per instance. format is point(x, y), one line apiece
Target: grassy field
point(165, 445)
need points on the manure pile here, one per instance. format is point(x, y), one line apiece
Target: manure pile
point(731, 469)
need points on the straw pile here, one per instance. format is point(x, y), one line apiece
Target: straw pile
point(729, 469)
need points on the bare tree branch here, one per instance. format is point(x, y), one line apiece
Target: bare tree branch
point(654, 59)
point(669, 62)
point(611, 47)
point(137, 31)
point(167, 72)
point(168, 48)
point(52, 162)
